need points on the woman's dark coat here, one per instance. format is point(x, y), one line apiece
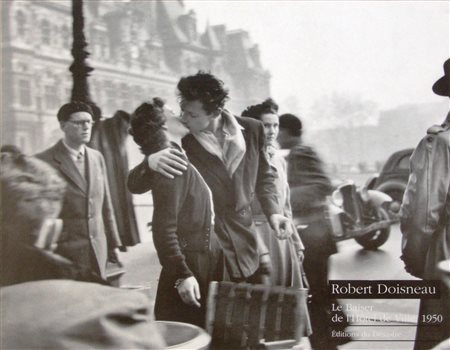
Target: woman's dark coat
point(109, 137)
point(232, 196)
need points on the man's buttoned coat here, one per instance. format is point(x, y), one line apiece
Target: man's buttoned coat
point(89, 229)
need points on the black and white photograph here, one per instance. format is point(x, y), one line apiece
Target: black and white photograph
point(225, 175)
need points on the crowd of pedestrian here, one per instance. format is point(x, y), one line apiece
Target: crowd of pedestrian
point(227, 207)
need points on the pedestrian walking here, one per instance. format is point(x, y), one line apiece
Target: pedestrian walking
point(425, 220)
point(285, 255)
point(309, 186)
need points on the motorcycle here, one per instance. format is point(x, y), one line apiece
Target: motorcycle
point(360, 213)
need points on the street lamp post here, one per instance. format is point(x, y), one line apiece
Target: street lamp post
point(79, 68)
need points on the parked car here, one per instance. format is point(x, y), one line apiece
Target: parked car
point(394, 176)
point(359, 213)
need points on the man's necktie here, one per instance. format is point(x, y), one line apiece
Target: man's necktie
point(80, 164)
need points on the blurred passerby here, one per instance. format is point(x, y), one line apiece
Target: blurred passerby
point(285, 255)
point(11, 149)
point(425, 220)
point(31, 200)
point(109, 136)
point(67, 314)
point(89, 236)
point(182, 224)
point(309, 187)
point(228, 152)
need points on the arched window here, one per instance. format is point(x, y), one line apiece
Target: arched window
point(45, 30)
point(21, 23)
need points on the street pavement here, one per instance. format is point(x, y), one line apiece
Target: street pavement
point(378, 323)
point(386, 323)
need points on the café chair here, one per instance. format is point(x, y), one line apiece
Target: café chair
point(248, 316)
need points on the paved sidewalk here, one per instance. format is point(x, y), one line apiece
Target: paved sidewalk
point(143, 268)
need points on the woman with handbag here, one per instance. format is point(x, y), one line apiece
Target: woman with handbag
point(282, 258)
point(310, 186)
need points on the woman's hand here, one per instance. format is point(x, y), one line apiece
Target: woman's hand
point(189, 291)
point(281, 225)
point(301, 256)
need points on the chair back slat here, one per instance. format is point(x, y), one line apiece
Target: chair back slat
point(240, 316)
point(211, 304)
point(258, 304)
point(222, 318)
point(273, 315)
point(289, 319)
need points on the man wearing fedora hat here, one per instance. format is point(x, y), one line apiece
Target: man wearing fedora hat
point(425, 220)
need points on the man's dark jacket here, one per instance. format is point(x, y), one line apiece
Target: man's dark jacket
point(232, 196)
point(309, 188)
point(90, 232)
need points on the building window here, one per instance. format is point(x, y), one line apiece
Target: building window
point(51, 99)
point(138, 95)
point(125, 97)
point(23, 141)
point(111, 96)
point(21, 22)
point(104, 46)
point(45, 28)
point(134, 51)
point(65, 37)
point(100, 44)
point(24, 93)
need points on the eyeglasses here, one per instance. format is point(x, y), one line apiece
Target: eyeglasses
point(81, 122)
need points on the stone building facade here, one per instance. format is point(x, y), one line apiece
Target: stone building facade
point(139, 49)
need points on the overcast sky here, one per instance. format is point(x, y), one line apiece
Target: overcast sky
point(389, 52)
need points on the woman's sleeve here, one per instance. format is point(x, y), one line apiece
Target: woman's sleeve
point(167, 198)
point(426, 194)
point(140, 178)
point(287, 209)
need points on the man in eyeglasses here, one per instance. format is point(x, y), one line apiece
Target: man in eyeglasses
point(90, 235)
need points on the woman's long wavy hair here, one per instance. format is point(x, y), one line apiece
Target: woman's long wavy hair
point(147, 126)
point(256, 111)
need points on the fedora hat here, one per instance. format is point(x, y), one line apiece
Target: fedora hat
point(442, 86)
